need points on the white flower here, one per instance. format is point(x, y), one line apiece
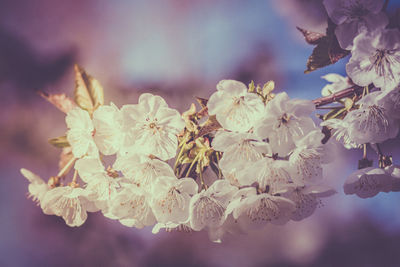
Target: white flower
point(368, 182)
point(394, 172)
point(239, 149)
point(169, 226)
point(267, 172)
point(235, 108)
point(376, 59)
point(337, 83)
point(153, 126)
point(141, 169)
point(68, 202)
point(253, 210)
point(131, 207)
point(353, 16)
point(207, 208)
point(285, 121)
point(307, 199)
point(108, 124)
point(171, 198)
point(37, 187)
point(80, 133)
point(340, 130)
point(101, 185)
point(390, 99)
point(368, 124)
point(371, 123)
point(307, 158)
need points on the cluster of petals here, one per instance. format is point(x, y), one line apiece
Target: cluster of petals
point(368, 182)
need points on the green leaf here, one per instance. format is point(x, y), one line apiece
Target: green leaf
point(59, 142)
point(88, 92)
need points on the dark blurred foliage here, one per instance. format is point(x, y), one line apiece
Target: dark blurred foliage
point(26, 69)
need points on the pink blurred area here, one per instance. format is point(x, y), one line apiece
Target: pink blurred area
point(177, 49)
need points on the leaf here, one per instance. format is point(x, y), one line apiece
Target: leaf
point(202, 101)
point(327, 50)
point(88, 92)
point(209, 126)
point(59, 142)
point(312, 38)
point(60, 101)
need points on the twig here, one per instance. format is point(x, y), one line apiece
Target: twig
point(338, 95)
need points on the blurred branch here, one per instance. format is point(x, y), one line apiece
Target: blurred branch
point(338, 95)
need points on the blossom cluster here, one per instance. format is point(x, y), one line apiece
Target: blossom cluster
point(272, 158)
point(248, 158)
point(362, 26)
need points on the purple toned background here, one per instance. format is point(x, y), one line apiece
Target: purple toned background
point(177, 49)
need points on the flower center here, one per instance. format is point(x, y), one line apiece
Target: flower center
point(382, 61)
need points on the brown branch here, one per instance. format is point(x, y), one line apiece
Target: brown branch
point(338, 95)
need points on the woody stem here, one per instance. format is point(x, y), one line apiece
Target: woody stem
point(355, 90)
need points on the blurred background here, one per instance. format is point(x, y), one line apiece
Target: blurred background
point(177, 49)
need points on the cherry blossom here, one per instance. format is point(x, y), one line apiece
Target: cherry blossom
point(285, 120)
point(337, 83)
point(207, 208)
point(253, 210)
point(171, 198)
point(368, 182)
point(235, 108)
point(68, 202)
point(153, 126)
point(239, 149)
point(376, 59)
point(108, 123)
point(37, 187)
point(142, 170)
point(131, 207)
point(80, 133)
point(353, 16)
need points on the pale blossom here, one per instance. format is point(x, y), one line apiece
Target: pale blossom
point(252, 210)
point(101, 185)
point(368, 182)
point(285, 120)
point(307, 199)
point(307, 158)
point(239, 149)
point(370, 123)
point(131, 207)
point(70, 203)
point(142, 170)
point(171, 197)
point(354, 16)
point(337, 83)
point(80, 133)
point(268, 173)
point(376, 59)
point(153, 126)
point(37, 187)
point(394, 172)
point(235, 108)
point(108, 123)
point(207, 208)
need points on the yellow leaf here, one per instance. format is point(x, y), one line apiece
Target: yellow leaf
point(268, 88)
point(348, 103)
point(88, 92)
point(59, 141)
